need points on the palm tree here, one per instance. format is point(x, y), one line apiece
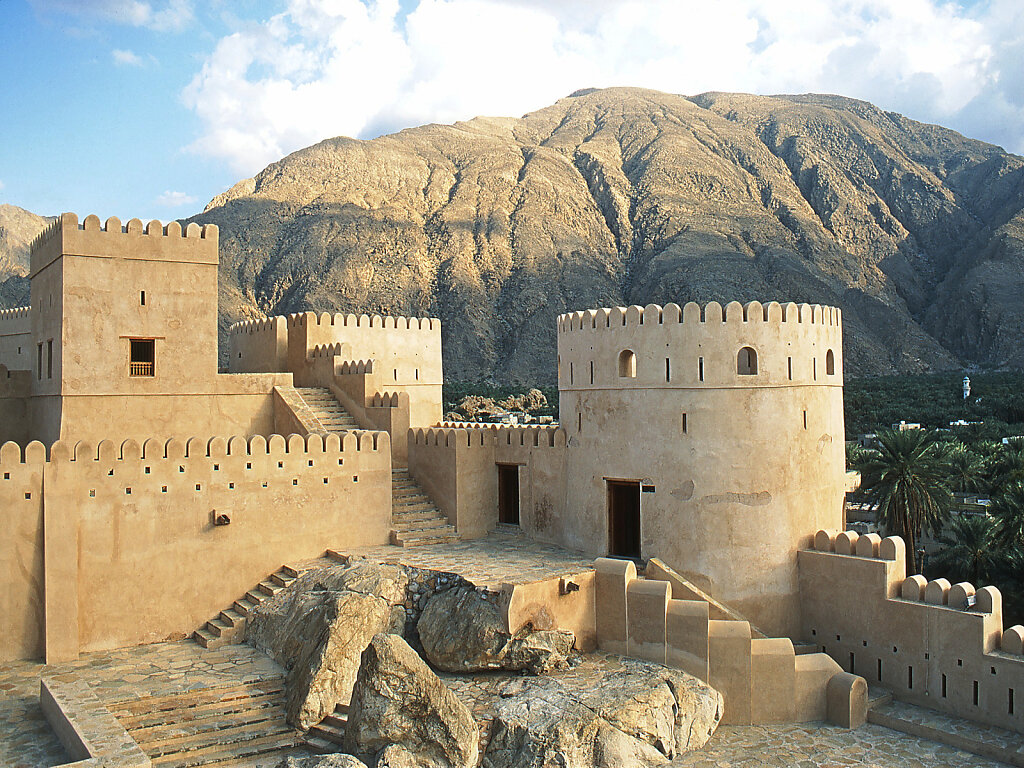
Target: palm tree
point(968, 553)
point(1008, 510)
point(908, 481)
point(965, 469)
point(1005, 466)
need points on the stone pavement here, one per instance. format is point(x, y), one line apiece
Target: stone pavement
point(501, 557)
point(26, 740)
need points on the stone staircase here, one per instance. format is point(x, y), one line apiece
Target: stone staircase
point(328, 735)
point(326, 409)
point(229, 625)
point(212, 726)
point(415, 521)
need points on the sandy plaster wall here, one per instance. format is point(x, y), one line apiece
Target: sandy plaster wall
point(132, 555)
point(853, 611)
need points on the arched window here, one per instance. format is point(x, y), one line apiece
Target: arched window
point(746, 362)
point(627, 364)
point(830, 363)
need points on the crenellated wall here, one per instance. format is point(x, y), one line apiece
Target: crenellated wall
point(458, 467)
point(132, 554)
point(402, 353)
point(21, 551)
point(726, 450)
point(16, 339)
point(920, 639)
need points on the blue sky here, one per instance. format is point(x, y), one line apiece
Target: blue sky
point(149, 108)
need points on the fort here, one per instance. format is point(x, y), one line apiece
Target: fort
point(146, 492)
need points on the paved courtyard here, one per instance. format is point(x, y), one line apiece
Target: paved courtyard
point(501, 557)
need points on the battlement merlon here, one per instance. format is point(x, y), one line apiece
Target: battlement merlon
point(15, 321)
point(153, 241)
point(713, 313)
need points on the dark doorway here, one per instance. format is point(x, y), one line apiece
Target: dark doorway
point(624, 519)
point(508, 494)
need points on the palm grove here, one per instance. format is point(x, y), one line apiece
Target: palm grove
point(916, 480)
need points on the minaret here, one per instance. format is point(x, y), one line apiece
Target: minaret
point(967, 387)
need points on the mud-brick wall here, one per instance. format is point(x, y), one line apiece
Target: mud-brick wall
point(132, 551)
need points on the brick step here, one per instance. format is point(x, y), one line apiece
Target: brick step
point(414, 506)
point(445, 535)
point(330, 731)
point(320, 745)
point(162, 739)
point(417, 526)
point(419, 514)
point(220, 693)
point(198, 712)
point(226, 736)
point(221, 753)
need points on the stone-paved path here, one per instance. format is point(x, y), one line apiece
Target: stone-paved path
point(26, 740)
point(501, 557)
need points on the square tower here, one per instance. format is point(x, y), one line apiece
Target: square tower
point(119, 311)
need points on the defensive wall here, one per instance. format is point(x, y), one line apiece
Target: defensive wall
point(458, 469)
point(730, 419)
point(115, 545)
point(934, 644)
point(386, 371)
point(15, 338)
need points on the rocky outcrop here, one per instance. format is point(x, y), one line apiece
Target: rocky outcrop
point(322, 761)
point(630, 196)
point(318, 627)
point(639, 714)
point(463, 630)
point(399, 703)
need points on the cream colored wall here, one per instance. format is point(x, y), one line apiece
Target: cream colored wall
point(16, 346)
point(258, 346)
point(856, 610)
point(15, 387)
point(21, 551)
point(136, 557)
point(457, 466)
point(745, 487)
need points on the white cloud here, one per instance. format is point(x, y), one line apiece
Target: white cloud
point(171, 199)
point(327, 67)
point(163, 15)
point(126, 58)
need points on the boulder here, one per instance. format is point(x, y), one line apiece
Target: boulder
point(318, 627)
point(398, 700)
point(463, 630)
point(396, 756)
point(636, 714)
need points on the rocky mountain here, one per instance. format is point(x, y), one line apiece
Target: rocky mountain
point(17, 228)
point(631, 196)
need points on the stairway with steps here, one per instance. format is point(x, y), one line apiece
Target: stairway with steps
point(415, 520)
point(218, 726)
point(229, 625)
point(326, 409)
point(328, 735)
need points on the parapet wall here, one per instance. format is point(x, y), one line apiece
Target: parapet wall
point(459, 468)
point(132, 554)
point(154, 241)
point(935, 644)
point(16, 347)
point(696, 346)
point(259, 346)
point(15, 320)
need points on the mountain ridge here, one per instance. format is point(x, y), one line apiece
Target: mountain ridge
point(631, 196)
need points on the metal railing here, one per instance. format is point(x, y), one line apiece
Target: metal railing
point(140, 369)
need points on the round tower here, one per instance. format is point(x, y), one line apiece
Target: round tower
point(711, 438)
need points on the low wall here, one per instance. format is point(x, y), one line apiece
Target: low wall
point(15, 387)
point(919, 639)
point(458, 469)
point(130, 552)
